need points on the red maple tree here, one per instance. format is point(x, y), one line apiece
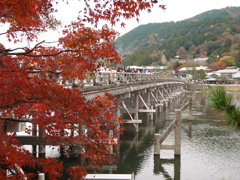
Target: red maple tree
point(217, 65)
point(30, 94)
point(183, 65)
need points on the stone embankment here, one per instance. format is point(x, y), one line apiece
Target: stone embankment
point(230, 87)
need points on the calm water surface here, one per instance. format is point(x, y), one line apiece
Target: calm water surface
point(210, 149)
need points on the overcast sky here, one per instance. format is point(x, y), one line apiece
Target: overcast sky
point(178, 10)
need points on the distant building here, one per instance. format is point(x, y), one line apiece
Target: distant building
point(212, 81)
point(185, 69)
point(200, 59)
point(154, 67)
point(227, 72)
point(211, 78)
point(230, 74)
point(212, 74)
point(177, 58)
point(236, 77)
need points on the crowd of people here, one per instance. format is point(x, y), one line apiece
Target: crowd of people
point(123, 69)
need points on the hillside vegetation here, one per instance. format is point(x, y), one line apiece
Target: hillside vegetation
point(214, 33)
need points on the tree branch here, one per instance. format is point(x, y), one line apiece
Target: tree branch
point(7, 52)
point(25, 101)
point(15, 119)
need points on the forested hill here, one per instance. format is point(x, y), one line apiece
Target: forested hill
point(211, 33)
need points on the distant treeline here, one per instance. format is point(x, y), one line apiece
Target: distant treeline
point(213, 33)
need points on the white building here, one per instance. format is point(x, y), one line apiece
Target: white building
point(189, 68)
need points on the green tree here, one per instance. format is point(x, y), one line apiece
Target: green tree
point(210, 60)
point(201, 74)
point(228, 43)
point(176, 65)
point(229, 60)
point(196, 74)
point(221, 101)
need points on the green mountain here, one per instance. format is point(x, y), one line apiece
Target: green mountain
point(215, 32)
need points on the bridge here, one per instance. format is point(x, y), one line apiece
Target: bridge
point(139, 93)
point(145, 93)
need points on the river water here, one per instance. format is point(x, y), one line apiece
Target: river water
point(210, 149)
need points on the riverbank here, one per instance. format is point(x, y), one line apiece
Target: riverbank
point(229, 87)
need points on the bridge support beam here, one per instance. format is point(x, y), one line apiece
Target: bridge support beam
point(136, 113)
point(41, 148)
point(178, 117)
point(159, 138)
point(147, 99)
point(164, 100)
point(34, 133)
point(135, 121)
point(147, 110)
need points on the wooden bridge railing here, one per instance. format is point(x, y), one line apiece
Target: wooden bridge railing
point(101, 78)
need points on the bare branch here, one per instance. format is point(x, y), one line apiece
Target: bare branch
point(15, 119)
point(3, 33)
point(30, 100)
point(9, 32)
point(9, 52)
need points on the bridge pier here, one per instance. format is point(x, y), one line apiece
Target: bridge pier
point(159, 138)
point(41, 147)
point(146, 101)
point(137, 107)
point(176, 126)
point(34, 133)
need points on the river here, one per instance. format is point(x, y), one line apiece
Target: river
point(210, 149)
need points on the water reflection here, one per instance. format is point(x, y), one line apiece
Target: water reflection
point(210, 149)
point(160, 167)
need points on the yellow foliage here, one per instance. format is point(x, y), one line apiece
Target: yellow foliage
point(228, 29)
point(228, 59)
point(212, 26)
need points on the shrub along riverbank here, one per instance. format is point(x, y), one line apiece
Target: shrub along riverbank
point(224, 102)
